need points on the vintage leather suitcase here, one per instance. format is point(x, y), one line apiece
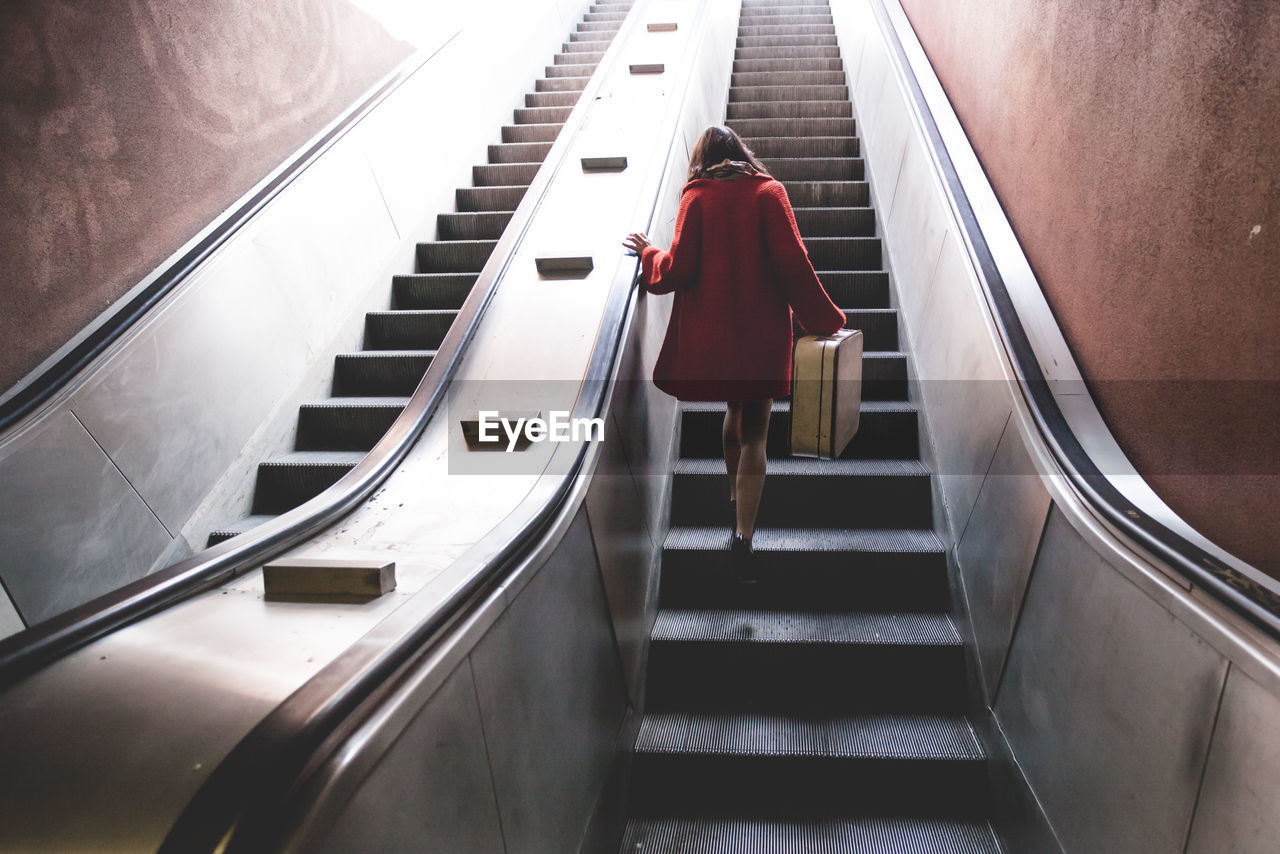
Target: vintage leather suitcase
point(826, 390)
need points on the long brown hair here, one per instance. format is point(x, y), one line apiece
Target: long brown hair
point(716, 145)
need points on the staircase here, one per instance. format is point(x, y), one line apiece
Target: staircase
point(823, 708)
point(372, 386)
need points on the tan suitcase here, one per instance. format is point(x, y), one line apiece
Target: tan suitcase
point(826, 390)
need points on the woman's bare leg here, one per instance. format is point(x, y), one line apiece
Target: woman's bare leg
point(753, 430)
point(732, 438)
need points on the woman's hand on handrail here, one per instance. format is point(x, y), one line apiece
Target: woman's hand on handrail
point(637, 242)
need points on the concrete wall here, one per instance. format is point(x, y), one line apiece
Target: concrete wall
point(1133, 147)
point(128, 125)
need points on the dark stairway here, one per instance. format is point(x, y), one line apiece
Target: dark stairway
point(821, 709)
point(372, 386)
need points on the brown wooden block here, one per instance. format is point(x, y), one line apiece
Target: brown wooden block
point(304, 579)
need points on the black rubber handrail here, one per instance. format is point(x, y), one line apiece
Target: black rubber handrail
point(40, 645)
point(249, 801)
point(1242, 594)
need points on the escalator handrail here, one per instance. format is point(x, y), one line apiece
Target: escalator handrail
point(1241, 593)
point(248, 801)
point(27, 651)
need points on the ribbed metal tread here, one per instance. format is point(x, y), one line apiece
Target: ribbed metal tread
point(871, 736)
point(796, 627)
point(844, 540)
point(235, 529)
point(803, 467)
point(680, 835)
point(785, 405)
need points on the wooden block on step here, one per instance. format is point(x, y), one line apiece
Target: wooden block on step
point(307, 579)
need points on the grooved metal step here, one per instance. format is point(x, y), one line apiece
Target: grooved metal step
point(879, 327)
point(551, 99)
point(346, 423)
point(803, 146)
point(432, 290)
point(794, 127)
point(785, 110)
point(454, 256)
point(812, 493)
point(827, 835)
point(845, 253)
point(815, 168)
point(235, 529)
point(743, 94)
point(472, 225)
point(750, 28)
point(816, 63)
point(521, 152)
point(505, 174)
point(857, 288)
point(836, 222)
point(815, 569)
point(579, 70)
point(578, 58)
point(542, 115)
point(391, 373)
point(790, 41)
point(788, 78)
point(531, 133)
point(788, 52)
point(809, 194)
point(559, 84)
point(489, 198)
point(286, 481)
point(416, 329)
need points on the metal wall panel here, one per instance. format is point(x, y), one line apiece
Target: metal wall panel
point(73, 528)
point(915, 225)
point(552, 700)
point(10, 622)
point(997, 549)
point(431, 792)
point(1239, 807)
point(1108, 703)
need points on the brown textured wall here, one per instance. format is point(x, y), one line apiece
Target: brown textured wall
point(1135, 148)
point(127, 125)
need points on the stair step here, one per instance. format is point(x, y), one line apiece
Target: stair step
point(786, 9)
point(857, 289)
point(582, 70)
point(579, 49)
point(833, 77)
point(560, 84)
point(821, 194)
point(289, 480)
point(489, 198)
point(552, 99)
point(879, 327)
point(599, 39)
point(807, 569)
point(788, 52)
point(454, 256)
point(235, 529)
point(791, 146)
point(845, 253)
point(749, 29)
point(829, 835)
point(519, 152)
point(812, 493)
point(347, 423)
point(836, 221)
point(816, 63)
point(745, 94)
point(578, 58)
point(592, 17)
point(785, 17)
point(531, 133)
point(541, 115)
point(886, 430)
point(804, 661)
point(587, 25)
point(504, 174)
point(795, 128)
point(378, 373)
point(472, 225)
point(785, 110)
point(419, 329)
point(787, 41)
point(815, 168)
point(433, 290)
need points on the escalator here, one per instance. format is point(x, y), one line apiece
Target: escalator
point(824, 707)
point(371, 387)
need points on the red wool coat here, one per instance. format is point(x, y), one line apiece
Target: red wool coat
point(739, 269)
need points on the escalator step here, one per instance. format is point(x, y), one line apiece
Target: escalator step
point(454, 256)
point(541, 115)
point(808, 568)
point(559, 84)
point(886, 430)
point(746, 94)
point(235, 529)
point(750, 29)
point(753, 11)
point(380, 373)
point(794, 127)
point(803, 146)
point(505, 174)
point(615, 17)
point(749, 42)
point(812, 661)
point(346, 423)
point(787, 16)
point(580, 50)
point(786, 110)
point(489, 198)
point(788, 78)
point(817, 63)
point(432, 290)
point(420, 329)
point(609, 26)
point(812, 493)
point(836, 222)
point(598, 40)
point(812, 194)
point(845, 253)
point(879, 327)
point(287, 481)
point(531, 133)
point(551, 99)
point(815, 168)
point(522, 152)
point(578, 58)
point(788, 52)
point(584, 70)
point(472, 225)
point(872, 835)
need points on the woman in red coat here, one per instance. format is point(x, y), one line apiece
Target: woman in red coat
point(739, 271)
